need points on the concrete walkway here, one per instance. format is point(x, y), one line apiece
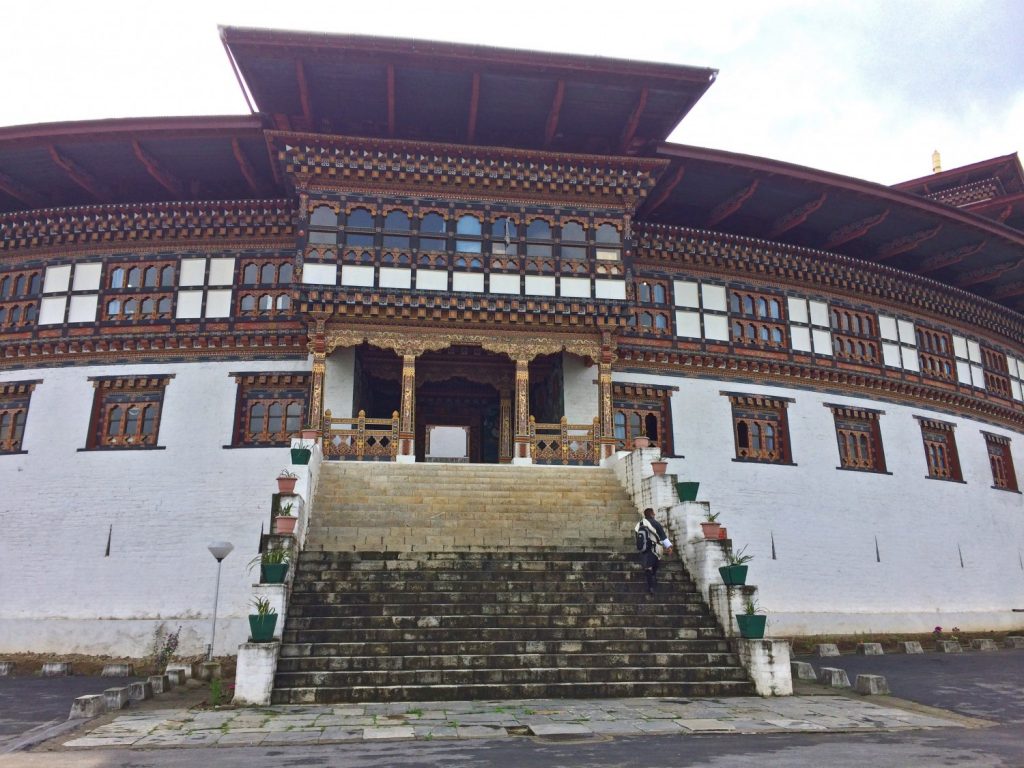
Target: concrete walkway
point(565, 719)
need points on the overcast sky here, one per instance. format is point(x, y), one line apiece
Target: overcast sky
point(866, 88)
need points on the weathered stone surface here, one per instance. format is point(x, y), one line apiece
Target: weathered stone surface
point(911, 646)
point(56, 669)
point(834, 677)
point(870, 649)
point(826, 649)
point(118, 670)
point(984, 644)
point(254, 673)
point(871, 685)
point(176, 676)
point(948, 646)
point(188, 671)
point(88, 706)
point(767, 663)
point(160, 683)
point(802, 670)
point(1014, 641)
point(210, 670)
point(140, 690)
point(6, 668)
point(117, 698)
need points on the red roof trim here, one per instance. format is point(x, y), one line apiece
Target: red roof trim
point(102, 130)
point(994, 162)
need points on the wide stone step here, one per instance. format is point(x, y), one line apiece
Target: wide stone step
point(698, 632)
point(474, 606)
point(710, 648)
point(500, 620)
point(422, 593)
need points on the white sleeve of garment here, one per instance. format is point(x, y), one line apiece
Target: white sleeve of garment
point(666, 543)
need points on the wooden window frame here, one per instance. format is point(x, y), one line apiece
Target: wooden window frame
point(742, 321)
point(115, 396)
point(997, 372)
point(760, 428)
point(15, 401)
point(265, 389)
point(1000, 459)
point(847, 338)
point(859, 428)
point(940, 451)
point(932, 360)
point(645, 401)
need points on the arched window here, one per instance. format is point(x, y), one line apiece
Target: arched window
point(3, 315)
point(284, 275)
point(147, 306)
point(503, 237)
point(659, 294)
point(19, 286)
point(620, 425)
point(855, 324)
point(359, 218)
point(396, 227)
point(248, 303)
point(607, 234)
point(743, 434)
point(323, 216)
point(762, 308)
point(130, 307)
point(284, 301)
point(257, 416)
point(266, 302)
point(774, 310)
point(114, 421)
point(635, 425)
point(30, 313)
point(651, 425)
point(134, 277)
point(645, 292)
point(113, 307)
point(150, 278)
point(164, 307)
point(734, 303)
point(751, 333)
point(359, 229)
point(293, 417)
point(776, 335)
point(660, 322)
point(764, 333)
point(646, 321)
point(117, 278)
point(15, 315)
point(5, 286)
point(33, 287)
point(572, 231)
point(268, 274)
point(538, 230)
point(748, 305)
point(148, 420)
point(468, 232)
point(274, 418)
point(167, 277)
point(251, 274)
point(432, 231)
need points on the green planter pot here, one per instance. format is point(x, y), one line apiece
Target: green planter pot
point(751, 625)
point(687, 491)
point(273, 573)
point(301, 455)
point(262, 627)
point(734, 575)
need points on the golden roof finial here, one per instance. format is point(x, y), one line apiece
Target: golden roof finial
point(936, 162)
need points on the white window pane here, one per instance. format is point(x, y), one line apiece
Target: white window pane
point(1011, 365)
point(716, 327)
point(218, 303)
point(887, 327)
point(222, 272)
point(1016, 390)
point(713, 297)
point(83, 308)
point(960, 346)
point(910, 361)
point(822, 342)
point(974, 351)
point(610, 289)
point(190, 305)
point(800, 337)
point(685, 293)
point(358, 276)
point(432, 280)
point(394, 277)
point(57, 280)
point(469, 282)
point(819, 313)
point(688, 324)
point(797, 310)
point(978, 376)
point(575, 287)
point(891, 355)
point(320, 274)
point(51, 311)
point(538, 285)
point(907, 333)
point(963, 372)
point(506, 284)
point(87, 277)
point(193, 272)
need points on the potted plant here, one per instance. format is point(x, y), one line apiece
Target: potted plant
point(659, 466)
point(263, 622)
point(286, 481)
point(301, 453)
point(735, 573)
point(273, 565)
point(309, 433)
point(687, 491)
point(641, 441)
point(711, 527)
point(751, 622)
point(284, 520)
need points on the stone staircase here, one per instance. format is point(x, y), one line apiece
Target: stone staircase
point(427, 582)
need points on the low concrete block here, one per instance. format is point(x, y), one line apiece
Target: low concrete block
point(176, 676)
point(118, 670)
point(140, 690)
point(834, 677)
point(6, 668)
point(117, 698)
point(210, 670)
point(767, 663)
point(254, 673)
point(870, 649)
point(948, 646)
point(803, 670)
point(188, 671)
point(1014, 641)
point(160, 683)
point(910, 646)
point(984, 644)
point(871, 685)
point(826, 649)
point(56, 669)
point(88, 706)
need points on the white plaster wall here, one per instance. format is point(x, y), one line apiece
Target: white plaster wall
point(580, 391)
point(824, 520)
point(58, 592)
point(339, 371)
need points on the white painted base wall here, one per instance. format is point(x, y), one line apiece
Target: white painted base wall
point(824, 521)
point(161, 508)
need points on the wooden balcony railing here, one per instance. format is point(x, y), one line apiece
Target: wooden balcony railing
point(360, 439)
point(564, 443)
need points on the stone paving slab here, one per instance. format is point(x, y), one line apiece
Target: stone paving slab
point(542, 718)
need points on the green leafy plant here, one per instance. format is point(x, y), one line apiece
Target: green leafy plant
point(285, 510)
point(739, 558)
point(216, 692)
point(711, 517)
point(263, 607)
point(284, 473)
point(164, 645)
point(752, 607)
point(271, 557)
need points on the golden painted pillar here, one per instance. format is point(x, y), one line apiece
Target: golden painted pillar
point(316, 391)
point(505, 428)
point(522, 413)
point(407, 415)
point(606, 440)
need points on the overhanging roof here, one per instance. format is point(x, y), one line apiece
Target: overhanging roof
point(467, 94)
point(758, 197)
point(135, 160)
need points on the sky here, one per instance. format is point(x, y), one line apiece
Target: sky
point(866, 88)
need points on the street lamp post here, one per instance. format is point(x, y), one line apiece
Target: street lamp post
point(220, 550)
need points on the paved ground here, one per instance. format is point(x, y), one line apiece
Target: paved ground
point(26, 702)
